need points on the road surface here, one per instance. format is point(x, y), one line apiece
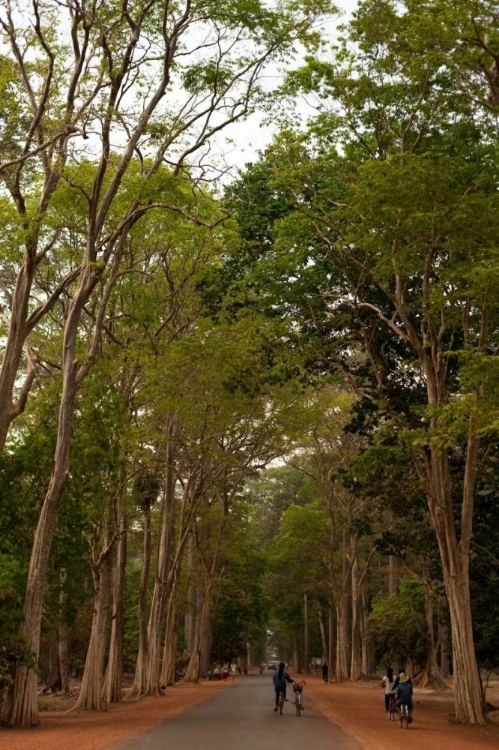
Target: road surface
point(242, 718)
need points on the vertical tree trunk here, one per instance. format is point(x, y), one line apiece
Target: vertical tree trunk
point(297, 657)
point(206, 642)
point(332, 649)
point(162, 576)
point(168, 668)
point(90, 696)
point(202, 637)
point(431, 673)
point(24, 707)
point(455, 564)
point(142, 667)
point(342, 640)
point(54, 682)
point(392, 574)
point(325, 645)
point(63, 634)
point(356, 649)
point(368, 668)
point(114, 671)
point(444, 659)
point(306, 641)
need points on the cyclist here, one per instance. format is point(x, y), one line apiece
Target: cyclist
point(389, 683)
point(404, 694)
point(280, 679)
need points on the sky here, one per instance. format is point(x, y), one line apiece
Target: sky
point(243, 141)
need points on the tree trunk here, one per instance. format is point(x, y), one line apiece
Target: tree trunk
point(356, 650)
point(202, 637)
point(142, 667)
point(297, 657)
point(306, 641)
point(16, 338)
point(444, 659)
point(206, 642)
point(368, 668)
point(91, 696)
point(24, 708)
point(325, 647)
point(114, 672)
point(162, 579)
point(342, 640)
point(63, 634)
point(168, 669)
point(332, 651)
point(455, 564)
point(53, 682)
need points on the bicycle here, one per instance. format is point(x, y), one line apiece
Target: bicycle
point(405, 718)
point(391, 708)
point(298, 690)
point(280, 701)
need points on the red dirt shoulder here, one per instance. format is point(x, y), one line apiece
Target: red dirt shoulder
point(358, 709)
point(99, 731)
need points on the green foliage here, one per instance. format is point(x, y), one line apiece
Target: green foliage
point(397, 629)
point(13, 650)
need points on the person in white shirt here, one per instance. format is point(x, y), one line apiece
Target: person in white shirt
point(388, 682)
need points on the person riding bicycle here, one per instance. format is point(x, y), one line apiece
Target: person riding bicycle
point(389, 683)
point(404, 694)
point(280, 679)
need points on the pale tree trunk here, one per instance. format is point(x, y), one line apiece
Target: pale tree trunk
point(206, 641)
point(142, 666)
point(430, 676)
point(306, 643)
point(297, 657)
point(169, 663)
point(455, 564)
point(114, 671)
point(90, 696)
point(63, 634)
point(202, 636)
point(325, 647)
point(24, 708)
point(162, 580)
point(332, 648)
point(203, 630)
point(356, 649)
point(368, 668)
point(342, 639)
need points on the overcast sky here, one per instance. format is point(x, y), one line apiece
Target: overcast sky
point(247, 138)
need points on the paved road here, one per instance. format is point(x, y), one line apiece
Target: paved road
point(242, 718)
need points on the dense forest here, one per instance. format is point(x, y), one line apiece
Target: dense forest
point(247, 411)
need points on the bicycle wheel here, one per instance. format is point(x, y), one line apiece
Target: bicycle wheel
point(297, 705)
point(391, 709)
point(281, 703)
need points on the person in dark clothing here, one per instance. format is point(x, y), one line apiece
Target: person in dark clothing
point(280, 680)
point(404, 693)
point(325, 672)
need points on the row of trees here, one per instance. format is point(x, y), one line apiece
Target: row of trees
point(373, 233)
point(336, 309)
point(107, 115)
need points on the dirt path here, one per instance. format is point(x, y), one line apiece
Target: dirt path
point(99, 731)
point(359, 711)
point(244, 719)
point(356, 709)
